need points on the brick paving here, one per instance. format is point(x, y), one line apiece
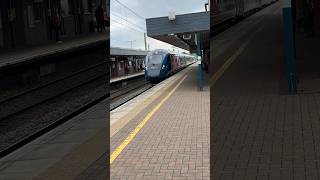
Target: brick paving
point(174, 144)
point(259, 131)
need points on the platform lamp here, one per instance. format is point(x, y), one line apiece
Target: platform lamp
point(206, 6)
point(172, 16)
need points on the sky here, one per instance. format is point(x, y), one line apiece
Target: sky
point(127, 27)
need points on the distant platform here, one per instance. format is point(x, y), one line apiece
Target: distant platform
point(16, 56)
point(122, 78)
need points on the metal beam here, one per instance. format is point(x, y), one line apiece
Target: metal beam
point(200, 76)
point(289, 46)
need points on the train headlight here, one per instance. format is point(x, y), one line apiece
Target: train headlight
point(163, 66)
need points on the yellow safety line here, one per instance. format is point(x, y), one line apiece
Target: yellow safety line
point(133, 133)
point(226, 65)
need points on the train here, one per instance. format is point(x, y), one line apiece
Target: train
point(160, 63)
point(225, 10)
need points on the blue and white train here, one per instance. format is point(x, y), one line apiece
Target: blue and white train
point(161, 63)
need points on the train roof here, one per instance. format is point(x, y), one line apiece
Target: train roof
point(170, 52)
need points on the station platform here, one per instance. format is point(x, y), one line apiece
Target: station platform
point(122, 78)
point(70, 151)
point(23, 55)
point(163, 133)
point(259, 131)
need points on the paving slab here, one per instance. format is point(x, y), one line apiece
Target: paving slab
point(174, 143)
point(259, 131)
point(16, 56)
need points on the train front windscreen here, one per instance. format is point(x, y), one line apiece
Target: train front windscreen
point(155, 59)
point(154, 62)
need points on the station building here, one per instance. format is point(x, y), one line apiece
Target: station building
point(126, 61)
point(30, 22)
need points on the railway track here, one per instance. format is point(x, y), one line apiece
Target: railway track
point(19, 102)
point(130, 91)
point(28, 115)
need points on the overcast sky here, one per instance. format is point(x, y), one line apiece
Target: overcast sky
point(127, 28)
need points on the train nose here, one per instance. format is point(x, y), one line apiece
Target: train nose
point(153, 72)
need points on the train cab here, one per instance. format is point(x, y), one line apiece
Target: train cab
point(161, 63)
point(157, 65)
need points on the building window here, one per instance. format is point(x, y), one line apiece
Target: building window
point(37, 10)
point(90, 6)
point(0, 20)
point(65, 7)
point(31, 18)
point(71, 7)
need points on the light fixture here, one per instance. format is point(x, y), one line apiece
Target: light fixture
point(172, 16)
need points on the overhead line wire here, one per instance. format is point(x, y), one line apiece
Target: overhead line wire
point(130, 9)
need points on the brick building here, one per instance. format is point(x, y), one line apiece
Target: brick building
point(29, 22)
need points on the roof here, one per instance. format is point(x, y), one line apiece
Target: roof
point(172, 32)
point(171, 52)
point(127, 52)
point(184, 23)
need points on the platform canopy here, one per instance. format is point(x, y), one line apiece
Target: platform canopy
point(181, 29)
point(127, 52)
